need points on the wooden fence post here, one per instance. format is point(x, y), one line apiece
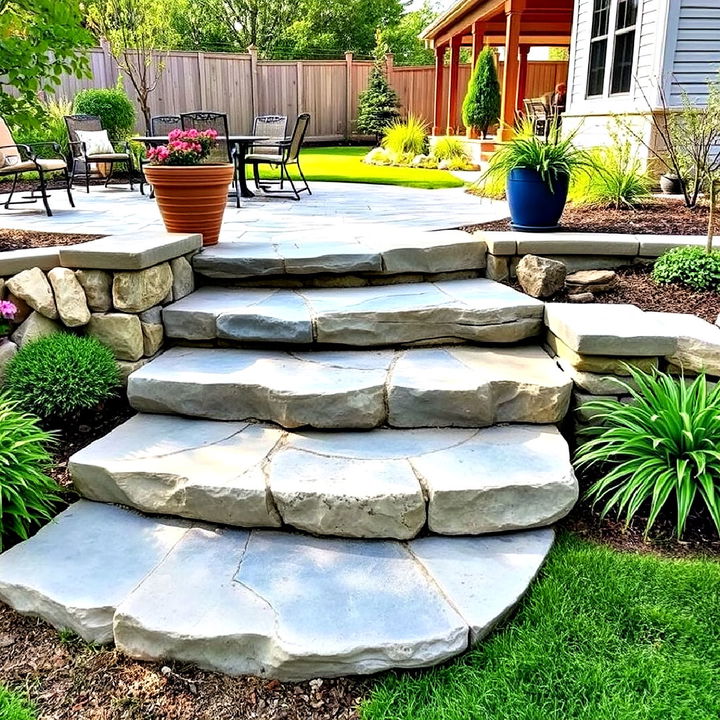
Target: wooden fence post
point(348, 94)
point(300, 86)
point(253, 80)
point(202, 80)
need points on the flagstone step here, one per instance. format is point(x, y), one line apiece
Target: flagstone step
point(479, 310)
point(459, 386)
point(379, 484)
point(268, 603)
point(372, 251)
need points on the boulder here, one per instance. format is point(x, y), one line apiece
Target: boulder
point(97, 285)
point(541, 277)
point(152, 316)
point(591, 281)
point(23, 309)
point(122, 333)
point(34, 327)
point(33, 287)
point(183, 282)
point(581, 297)
point(153, 335)
point(2, 289)
point(69, 297)
point(7, 352)
point(140, 290)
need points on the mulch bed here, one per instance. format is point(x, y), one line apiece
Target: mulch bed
point(24, 239)
point(655, 217)
point(636, 286)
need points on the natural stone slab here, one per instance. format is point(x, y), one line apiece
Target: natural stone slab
point(197, 469)
point(69, 297)
point(140, 290)
point(121, 332)
point(591, 280)
point(8, 349)
point(36, 326)
point(153, 335)
point(238, 260)
point(498, 267)
point(599, 363)
point(326, 390)
point(575, 243)
point(289, 606)
point(129, 252)
point(183, 282)
point(596, 384)
point(653, 246)
point(15, 261)
point(505, 478)
point(309, 254)
point(97, 285)
point(33, 287)
point(611, 330)
point(698, 342)
point(498, 242)
point(476, 387)
point(485, 577)
point(76, 570)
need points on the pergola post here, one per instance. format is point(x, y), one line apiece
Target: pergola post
point(439, 69)
point(522, 76)
point(513, 16)
point(478, 40)
point(452, 114)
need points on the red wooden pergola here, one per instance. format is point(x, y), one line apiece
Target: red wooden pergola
point(516, 25)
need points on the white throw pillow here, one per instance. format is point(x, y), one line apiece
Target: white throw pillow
point(96, 142)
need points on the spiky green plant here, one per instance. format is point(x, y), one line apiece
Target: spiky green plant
point(450, 148)
point(665, 443)
point(27, 493)
point(481, 106)
point(406, 138)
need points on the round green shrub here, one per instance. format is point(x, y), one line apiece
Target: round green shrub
point(61, 375)
point(692, 266)
point(111, 105)
point(27, 493)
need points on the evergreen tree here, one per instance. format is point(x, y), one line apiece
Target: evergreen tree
point(378, 104)
point(481, 107)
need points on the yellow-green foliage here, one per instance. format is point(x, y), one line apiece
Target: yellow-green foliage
point(406, 138)
point(449, 148)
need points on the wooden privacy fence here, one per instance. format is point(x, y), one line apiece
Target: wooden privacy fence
point(243, 86)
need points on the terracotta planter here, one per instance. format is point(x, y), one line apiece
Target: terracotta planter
point(191, 198)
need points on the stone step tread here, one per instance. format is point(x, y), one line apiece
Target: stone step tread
point(478, 309)
point(265, 602)
point(455, 386)
point(360, 250)
point(382, 483)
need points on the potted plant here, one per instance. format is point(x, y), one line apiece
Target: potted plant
point(538, 172)
point(671, 184)
point(191, 195)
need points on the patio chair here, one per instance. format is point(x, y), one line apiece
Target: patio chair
point(16, 159)
point(537, 111)
point(90, 146)
point(289, 154)
point(160, 126)
point(271, 126)
point(224, 151)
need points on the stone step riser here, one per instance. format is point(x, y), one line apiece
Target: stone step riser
point(476, 310)
point(439, 387)
point(267, 603)
point(381, 484)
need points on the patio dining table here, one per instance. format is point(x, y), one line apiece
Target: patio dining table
point(241, 142)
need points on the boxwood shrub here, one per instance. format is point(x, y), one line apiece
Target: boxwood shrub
point(112, 106)
point(692, 266)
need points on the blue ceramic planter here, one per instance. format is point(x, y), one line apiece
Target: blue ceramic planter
point(533, 205)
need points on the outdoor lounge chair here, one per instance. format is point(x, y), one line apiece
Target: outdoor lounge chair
point(160, 126)
point(288, 154)
point(15, 160)
point(84, 155)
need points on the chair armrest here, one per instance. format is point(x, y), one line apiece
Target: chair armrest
point(121, 146)
point(56, 148)
point(78, 144)
point(24, 149)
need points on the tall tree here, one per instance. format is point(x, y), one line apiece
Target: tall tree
point(40, 40)
point(378, 104)
point(481, 107)
point(403, 37)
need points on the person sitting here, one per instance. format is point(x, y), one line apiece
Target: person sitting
point(557, 100)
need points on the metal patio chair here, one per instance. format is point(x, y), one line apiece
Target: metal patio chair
point(160, 126)
point(82, 161)
point(288, 154)
point(273, 127)
point(18, 159)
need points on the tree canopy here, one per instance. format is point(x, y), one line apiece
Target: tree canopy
point(481, 107)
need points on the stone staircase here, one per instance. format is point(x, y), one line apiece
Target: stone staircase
point(317, 477)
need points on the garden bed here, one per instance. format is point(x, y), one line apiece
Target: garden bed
point(659, 216)
point(25, 239)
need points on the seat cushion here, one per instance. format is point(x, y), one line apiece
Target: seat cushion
point(96, 142)
point(263, 158)
point(47, 164)
point(109, 157)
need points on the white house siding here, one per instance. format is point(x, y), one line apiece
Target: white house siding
point(695, 38)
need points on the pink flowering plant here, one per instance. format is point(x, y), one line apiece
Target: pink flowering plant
point(184, 147)
point(7, 314)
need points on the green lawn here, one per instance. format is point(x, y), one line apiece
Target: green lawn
point(344, 164)
point(14, 707)
point(603, 635)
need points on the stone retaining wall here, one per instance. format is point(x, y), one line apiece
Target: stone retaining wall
point(113, 288)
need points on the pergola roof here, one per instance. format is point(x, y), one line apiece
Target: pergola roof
point(544, 22)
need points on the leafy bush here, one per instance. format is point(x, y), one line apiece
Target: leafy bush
point(378, 104)
point(112, 106)
point(53, 127)
point(481, 107)
point(692, 266)
point(666, 443)
point(27, 494)
point(449, 148)
point(406, 138)
point(614, 177)
point(60, 375)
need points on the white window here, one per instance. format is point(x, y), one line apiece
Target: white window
point(614, 48)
